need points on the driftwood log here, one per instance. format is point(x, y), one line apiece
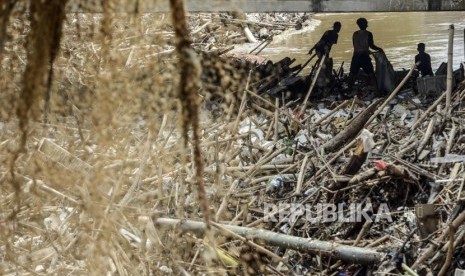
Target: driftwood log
point(342, 252)
point(351, 131)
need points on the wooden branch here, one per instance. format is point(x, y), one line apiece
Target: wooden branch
point(309, 92)
point(300, 179)
point(261, 24)
point(351, 131)
point(414, 168)
point(410, 146)
point(356, 161)
point(450, 72)
point(450, 252)
point(449, 145)
point(393, 94)
point(250, 37)
point(408, 270)
point(276, 121)
point(362, 176)
point(365, 228)
point(342, 252)
point(433, 106)
point(201, 27)
point(224, 202)
point(335, 157)
point(432, 248)
point(336, 109)
point(259, 248)
point(427, 136)
point(246, 168)
point(268, 41)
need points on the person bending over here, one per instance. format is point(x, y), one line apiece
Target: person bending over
point(329, 38)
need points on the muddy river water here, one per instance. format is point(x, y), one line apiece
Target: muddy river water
point(397, 33)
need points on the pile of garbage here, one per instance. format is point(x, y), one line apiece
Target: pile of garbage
point(369, 186)
point(217, 33)
point(299, 179)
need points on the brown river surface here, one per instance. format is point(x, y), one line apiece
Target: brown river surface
point(397, 33)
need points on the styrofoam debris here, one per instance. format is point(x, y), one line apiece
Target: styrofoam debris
point(274, 184)
point(302, 137)
point(52, 223)
point(130, 237)
point(247, 126)
point(166, 269)
point(367, 140)
point(399, 109)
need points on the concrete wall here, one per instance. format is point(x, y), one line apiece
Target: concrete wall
point(281, 5)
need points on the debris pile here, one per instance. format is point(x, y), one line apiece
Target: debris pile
point(296, 184)
point(215, 33)
point(397, 159)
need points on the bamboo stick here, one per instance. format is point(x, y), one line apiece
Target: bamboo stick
point(336, 109)
point(450, 252)
point(450, 143)
point(350, 131)
point(39, 183)
point(262, 110)
point(276, 121)
point(246, 168)
point(342, 252)
point(224, 202)
point(274, 213)
point(427, 136)
point(378, 241)
point(303, 66)
point(432, 248)
point(262, 24)
point(250, 37)
point(411, 146)
point(408, 270)
point(135, 186)
point(393, 94)
point(264, 160)
point(433, 106)
point(450, 72)
point(451, 140)
point(336, 156)
point(268, 41)
point(366, 226)
point(309, 92)
point(259, 44)
point(259, 248)
point(300, 179)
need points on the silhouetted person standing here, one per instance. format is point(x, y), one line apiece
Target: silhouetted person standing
point(423, 61)
point(329, 38)
point(363, 41)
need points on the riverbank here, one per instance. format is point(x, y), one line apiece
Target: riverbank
point(210, 32)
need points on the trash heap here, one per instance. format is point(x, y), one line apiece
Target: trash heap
point(398, 159)
point(216, 33)
point(294, 185)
